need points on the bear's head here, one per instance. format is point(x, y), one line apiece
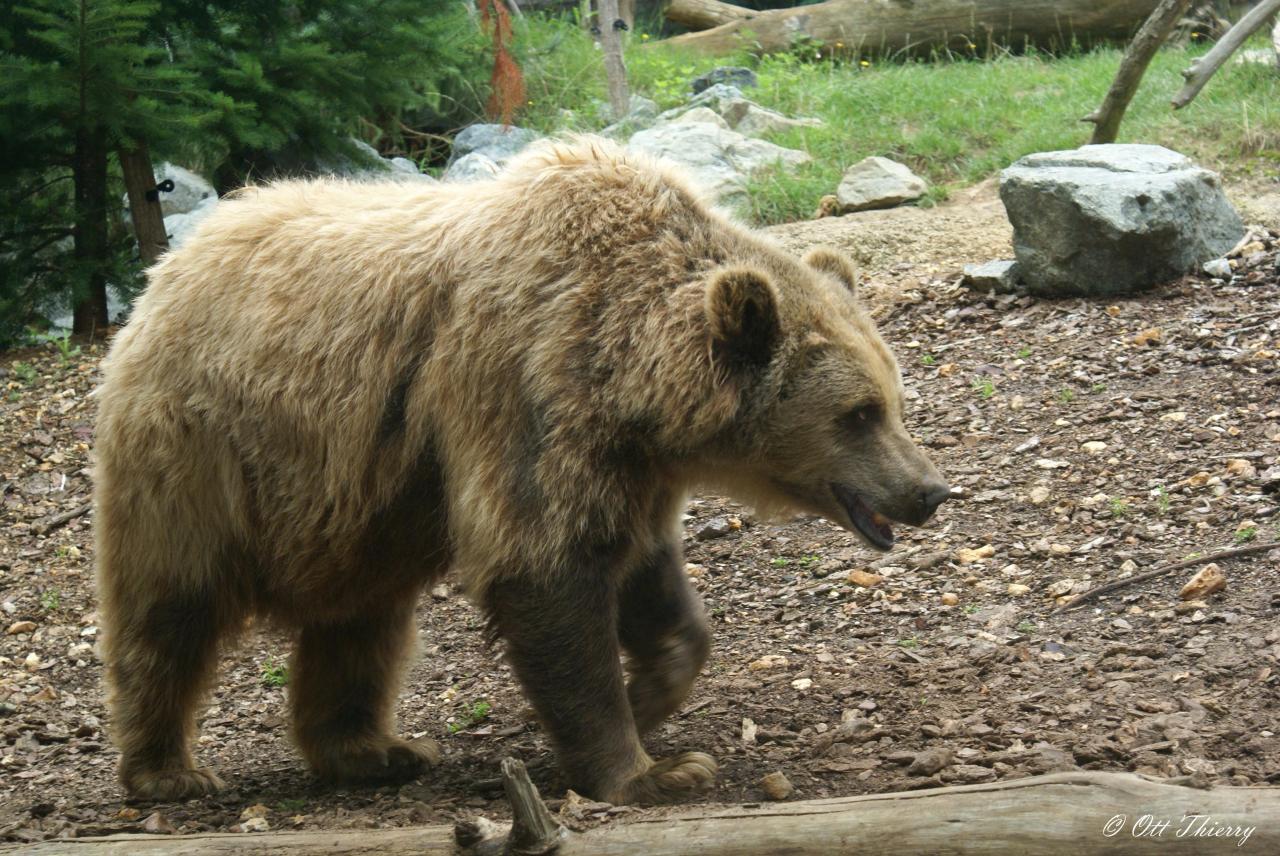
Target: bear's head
point(819, 424)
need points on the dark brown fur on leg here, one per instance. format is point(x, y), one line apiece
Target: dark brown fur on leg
point(664, 630)
point(343, 683)
point(562, 640)
point(161, 656)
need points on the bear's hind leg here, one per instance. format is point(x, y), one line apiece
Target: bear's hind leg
point(664, 631)
point(161, 654)
point(343, 685)
point(562, 641)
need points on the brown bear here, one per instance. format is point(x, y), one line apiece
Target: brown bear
point(336, 392)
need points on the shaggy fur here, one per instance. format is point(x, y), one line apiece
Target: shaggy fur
point(336, 391)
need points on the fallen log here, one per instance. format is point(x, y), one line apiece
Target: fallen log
point(1115, 813)
point(705, 14)
point(891, 27)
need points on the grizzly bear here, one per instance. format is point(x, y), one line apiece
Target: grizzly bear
point(335, 392)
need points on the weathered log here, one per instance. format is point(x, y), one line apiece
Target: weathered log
point(705, 14)
point(890, 27)
point(1205, 67)
point(1115, 813)
point(1134, 65)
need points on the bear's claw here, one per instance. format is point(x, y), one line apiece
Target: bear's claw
point(670, 780)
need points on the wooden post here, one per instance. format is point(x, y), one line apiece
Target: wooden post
point(614, 68)
point(1205, 67)
point(144, 202)
point(1132, 67)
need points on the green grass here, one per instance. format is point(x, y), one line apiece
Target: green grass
point(476, 714)
point(274, 674)
point(955, 121)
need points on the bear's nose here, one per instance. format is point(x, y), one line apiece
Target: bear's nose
point(932, 496)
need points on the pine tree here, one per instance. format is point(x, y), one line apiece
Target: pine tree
point(91, 88)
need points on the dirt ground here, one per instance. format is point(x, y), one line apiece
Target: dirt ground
point(1090, 442)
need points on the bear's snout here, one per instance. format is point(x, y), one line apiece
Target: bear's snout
point(933, 494)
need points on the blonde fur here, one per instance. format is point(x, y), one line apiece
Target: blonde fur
point(335, 391)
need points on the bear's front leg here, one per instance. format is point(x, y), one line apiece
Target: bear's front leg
point(562, 640)
point(663, 628)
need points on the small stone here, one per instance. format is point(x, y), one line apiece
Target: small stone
point(32, 662)
point(776, 786)
point(1094, 447)
point(1241, 467)
point(999, 276)
point(1207, 580)
point(21, 627)
point(1129, 566)
point(157, 824)
point(1061, 587)
point(440, 592)
point(864, 579)
point(255, 810)
point(802, 684)
point(748, 731)
point(255, 824)
point(1149, 336)
point(1018, 589)
point(930, 761)
point(1039, 495)
point(1050, 464)
point(1175, 416)
point(950, 599)
point(967, 556)
point(716, 527)
point(1219, 268)
point(767, 662)
point(877, 182)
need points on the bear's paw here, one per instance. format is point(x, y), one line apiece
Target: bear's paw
point(670, 780)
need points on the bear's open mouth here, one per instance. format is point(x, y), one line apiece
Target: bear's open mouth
point(873, 525)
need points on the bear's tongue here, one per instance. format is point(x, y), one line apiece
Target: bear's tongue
point(873, 525)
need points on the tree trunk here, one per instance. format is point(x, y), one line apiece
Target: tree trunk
point(1133, 67)
point(890, 27)
point(1206, 66)
point(144, 203)
point(89, 170)
point(1116, 813)
point(614, 68)
point(705, 14)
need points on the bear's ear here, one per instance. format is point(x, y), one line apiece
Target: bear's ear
point(834, 264)
point(742, 309)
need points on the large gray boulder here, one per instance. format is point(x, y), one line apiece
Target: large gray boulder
point(739, 113)
point(498, 143)
point(472, 166)
point(730, 75)
point(1114, 219)
point(189, 190)
point(877, 182)
point(719, 159)
point(179, 227)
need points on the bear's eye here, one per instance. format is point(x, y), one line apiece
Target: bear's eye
point(863, 416)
